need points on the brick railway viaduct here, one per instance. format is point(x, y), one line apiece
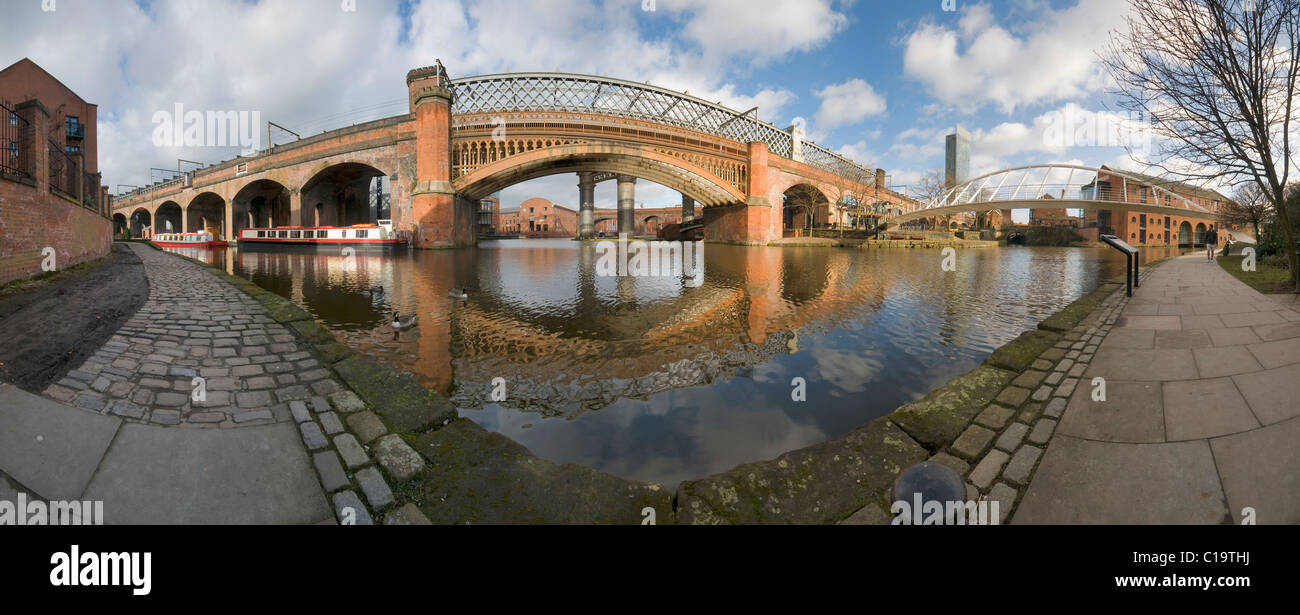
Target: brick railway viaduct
point(465, 139)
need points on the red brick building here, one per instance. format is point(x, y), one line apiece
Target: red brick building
point(1159, 230)
point(53, 210)
point(539, 217)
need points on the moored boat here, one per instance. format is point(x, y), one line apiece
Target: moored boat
point(200, 239)
point(375, 235)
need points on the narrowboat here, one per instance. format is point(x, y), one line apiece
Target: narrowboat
point(379, 235)
point(201, 239)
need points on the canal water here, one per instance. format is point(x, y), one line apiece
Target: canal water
point(669, 378)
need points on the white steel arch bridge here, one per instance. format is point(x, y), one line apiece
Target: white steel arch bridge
point(1056, 186)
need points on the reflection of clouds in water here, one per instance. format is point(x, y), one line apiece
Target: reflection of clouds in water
point(674, 436)
point(850, 371)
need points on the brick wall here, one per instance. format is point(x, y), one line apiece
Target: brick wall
point(31, 219)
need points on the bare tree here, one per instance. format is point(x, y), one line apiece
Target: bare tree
point(931, 186)
point(1249, 205)
point(1217, 79)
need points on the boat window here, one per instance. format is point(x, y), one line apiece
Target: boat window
point(362, 234)
point(322, 234)
point(284, 234)
point(295, 234)
point(343, 234)
point(261, 233)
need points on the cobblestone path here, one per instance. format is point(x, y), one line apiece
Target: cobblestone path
point(200, 353)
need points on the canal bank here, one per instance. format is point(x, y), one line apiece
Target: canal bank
point(845, 478)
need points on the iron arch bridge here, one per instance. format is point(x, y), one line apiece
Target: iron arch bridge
point(575, 93)
point(1057, 186)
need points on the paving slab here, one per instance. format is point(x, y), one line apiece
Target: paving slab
point(1132, 412)
point(1261, 469)
point(250, 475)
point(1204, 409)
point(1138, 364)
point(1082, 481)
point(1273, 395)
point(48, 447)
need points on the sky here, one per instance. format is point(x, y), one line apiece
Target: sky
point(880, 81)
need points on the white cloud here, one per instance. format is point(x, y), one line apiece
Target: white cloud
point(982, 62)
point(313, 66)
point(760, 30)
point(847, 103)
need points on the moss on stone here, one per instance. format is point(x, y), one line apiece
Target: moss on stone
point(485, 477)
point(402, 403)
point(823, 483)
point(1069, 316)
point(1018, 354)
point(333, 352)
point(312, 331)
point(938, 418)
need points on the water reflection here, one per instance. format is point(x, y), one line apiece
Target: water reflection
point(655, 379)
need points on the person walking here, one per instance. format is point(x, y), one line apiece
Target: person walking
point(1211, 241)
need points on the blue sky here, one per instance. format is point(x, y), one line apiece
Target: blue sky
point(879, 81)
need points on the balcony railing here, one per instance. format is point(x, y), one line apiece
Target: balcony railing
point(16, 138)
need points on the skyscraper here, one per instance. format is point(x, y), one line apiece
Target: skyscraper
point(956, 157)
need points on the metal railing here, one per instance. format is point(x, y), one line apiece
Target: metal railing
point(16, 139)
point(90, 185)
point(65, 174)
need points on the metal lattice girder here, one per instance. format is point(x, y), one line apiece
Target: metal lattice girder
point(588, 93)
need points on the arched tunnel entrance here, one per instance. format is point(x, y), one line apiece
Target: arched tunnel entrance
point(261, 204)
point(804, 208)
point(168, 218)
point(207, 212)
point(345, 194)
point(141, 222)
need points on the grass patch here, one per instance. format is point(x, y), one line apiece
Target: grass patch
point(1267, 279)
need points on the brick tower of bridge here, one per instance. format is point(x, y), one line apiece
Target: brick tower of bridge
point(441, 219)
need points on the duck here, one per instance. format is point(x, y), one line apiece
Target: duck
point(403, 322)
point(459, 293)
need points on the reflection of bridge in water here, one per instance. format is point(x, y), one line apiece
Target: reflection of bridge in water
point(615, 337)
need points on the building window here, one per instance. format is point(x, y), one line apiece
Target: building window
point(72, 149)
point(13, 149)
point(13, 118)
point(73, 125)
